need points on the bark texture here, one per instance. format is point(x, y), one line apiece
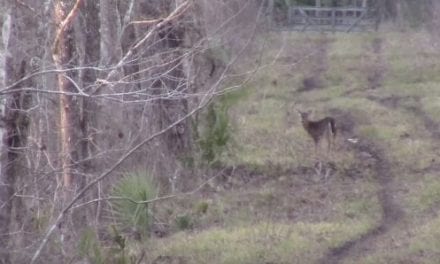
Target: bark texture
point(15, 126)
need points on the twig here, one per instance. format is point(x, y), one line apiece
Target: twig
point(150, 200)
point(25, 5)
point(206, 98)
point(145, 22)
point(176, 13)
point(105, 174)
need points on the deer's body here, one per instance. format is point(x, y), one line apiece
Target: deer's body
point(320, 128)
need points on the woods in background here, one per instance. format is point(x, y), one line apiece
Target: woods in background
point(103, 99)
point(96, 89)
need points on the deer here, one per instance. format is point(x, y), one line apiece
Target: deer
point(319, 128)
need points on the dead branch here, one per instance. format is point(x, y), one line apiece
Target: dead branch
point(65, 23)
point(205, 100)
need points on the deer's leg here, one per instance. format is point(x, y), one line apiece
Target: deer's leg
point(328, 135)
point(329, 141)
point(316, 146)
point(332, 139)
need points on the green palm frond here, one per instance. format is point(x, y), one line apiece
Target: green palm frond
point(128, 208)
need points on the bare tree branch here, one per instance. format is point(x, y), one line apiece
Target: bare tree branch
point(180, 10)
point(157, 199)
point(49, 232)
point(203, 102)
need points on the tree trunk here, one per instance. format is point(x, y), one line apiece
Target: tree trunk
point(63, 54)
point(168, 85)
point(64, 58)
point(14, 139)
point(15, 126)
point(110, 28)
point(87, 42)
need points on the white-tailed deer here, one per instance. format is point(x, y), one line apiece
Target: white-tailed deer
point(320, 128)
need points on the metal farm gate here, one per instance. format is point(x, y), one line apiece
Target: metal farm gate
point(355, 17)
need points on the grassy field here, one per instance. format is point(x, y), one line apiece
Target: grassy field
point(375, 201)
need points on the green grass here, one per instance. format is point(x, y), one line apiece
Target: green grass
point(261, 243)
point(250, 222)
point(427, 241)
point(411, 71)
point(419, 242)
point(424, 194)
point(431, 105)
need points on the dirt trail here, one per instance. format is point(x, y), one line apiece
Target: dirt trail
point(396, 102)
point(391, 212)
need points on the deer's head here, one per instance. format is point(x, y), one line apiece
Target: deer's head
point(304, 115)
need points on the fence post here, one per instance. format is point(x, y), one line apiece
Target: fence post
point(270, 13)
point(334, 19)
point(289, 17)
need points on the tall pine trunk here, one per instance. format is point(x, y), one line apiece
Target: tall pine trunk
point(15, 126)
point(64, 57)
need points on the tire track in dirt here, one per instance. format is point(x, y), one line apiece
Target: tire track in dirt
point(431, 126)
point(397, 102)
point(391, 212)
